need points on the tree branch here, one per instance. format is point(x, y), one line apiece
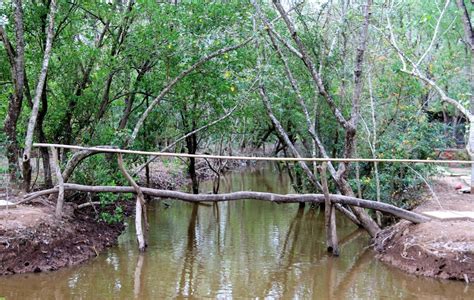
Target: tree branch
point(173, 82)
point(277, 198)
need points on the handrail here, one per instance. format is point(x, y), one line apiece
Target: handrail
point(254, 158)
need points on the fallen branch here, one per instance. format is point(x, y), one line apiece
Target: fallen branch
point(87, 204)
point(277, 198)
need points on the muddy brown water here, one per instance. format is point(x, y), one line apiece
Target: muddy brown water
point(241, 249)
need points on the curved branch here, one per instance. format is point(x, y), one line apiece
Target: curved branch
point(277, 198)
point(173, 82)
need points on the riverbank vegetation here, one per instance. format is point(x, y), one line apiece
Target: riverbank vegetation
point(374, 79)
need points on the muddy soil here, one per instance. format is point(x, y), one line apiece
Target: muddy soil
point(439, 248)
point(164, 174)
point(33, 240)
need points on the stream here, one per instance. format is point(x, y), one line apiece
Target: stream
point(240, 249)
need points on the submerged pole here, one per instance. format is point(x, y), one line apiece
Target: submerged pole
point(140, 206)
point(329, 215)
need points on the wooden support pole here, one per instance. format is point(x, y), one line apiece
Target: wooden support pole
point(55, 166)
point(329, 214)
point(140, 207)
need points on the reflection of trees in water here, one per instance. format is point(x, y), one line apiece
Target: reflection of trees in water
point(186, 283)
point(295, 229)
point(358, 268)
point(137, 284)
point(279, 278)
point(282, 282)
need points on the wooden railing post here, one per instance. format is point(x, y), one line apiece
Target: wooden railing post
point(329, 214)
point(140, 207)
point(55, 165)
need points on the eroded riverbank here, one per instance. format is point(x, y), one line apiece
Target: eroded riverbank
point(439, 248)
point(33, 240)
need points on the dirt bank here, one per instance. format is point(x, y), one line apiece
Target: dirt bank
point(171, 174)
point(33, 240)
point(441, 249)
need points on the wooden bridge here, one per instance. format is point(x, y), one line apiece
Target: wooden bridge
point(331, 201)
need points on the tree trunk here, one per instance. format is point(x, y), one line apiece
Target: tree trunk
point(191, 144)
point(469, 36)
point(55, 164)
point(140, 206)
point(16, 99)
point(48, 180)
point(329, 215)
point(36, 100)
point(130, 99)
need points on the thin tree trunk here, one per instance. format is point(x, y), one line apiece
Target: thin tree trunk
point(469, 36)
point(16, 99)
point(105, 96)
point(329, 215)
point(55, 164)
point(140, 206)
point(191, 144)
point(130, 99)
point(48, 180)
point(36, 100)
point(284, 136)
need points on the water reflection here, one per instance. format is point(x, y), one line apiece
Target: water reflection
point(186, 283)
point(241, 249)
point(137, 287)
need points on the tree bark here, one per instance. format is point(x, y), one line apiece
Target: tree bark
point(48, 180)
point(16, 99)
point(191, 144)
point(140, 206)
point(469, 36)
point(276, 198)
point(55, 165)
point(329, 215)
point(36, 100)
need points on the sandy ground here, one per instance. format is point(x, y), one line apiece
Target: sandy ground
point(439, 248)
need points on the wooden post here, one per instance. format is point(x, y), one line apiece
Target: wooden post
point(55, 165)
point(140, 208)
point(329, 215)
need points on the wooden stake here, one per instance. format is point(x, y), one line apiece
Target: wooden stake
point(140, 207)
point(55, 164)
point(329, 215)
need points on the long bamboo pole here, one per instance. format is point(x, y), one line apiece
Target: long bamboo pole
point(255, 158)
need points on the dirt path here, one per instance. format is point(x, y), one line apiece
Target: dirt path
point(33, 240)
point(439, 248)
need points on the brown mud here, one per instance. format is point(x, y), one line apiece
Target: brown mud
point(439, 248)
point(164, 174)
point(33, 240)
